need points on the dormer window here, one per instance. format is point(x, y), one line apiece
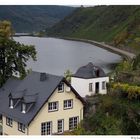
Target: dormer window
point(15, 98)
point(61, 87)
point(11, 103)
point(23, 108)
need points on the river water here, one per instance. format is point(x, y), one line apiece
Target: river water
point(55, 56)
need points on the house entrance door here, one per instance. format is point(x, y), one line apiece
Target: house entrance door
point(97, 87)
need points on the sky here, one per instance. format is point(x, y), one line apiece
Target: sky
point(69, 2)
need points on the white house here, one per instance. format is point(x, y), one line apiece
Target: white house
point(89, 80)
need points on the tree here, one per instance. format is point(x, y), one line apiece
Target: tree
point(6, 30)
point(136, 62)
point(123, 71)
point(68, 75)
point(131, 122)
point(13, 55)
point(102, 124)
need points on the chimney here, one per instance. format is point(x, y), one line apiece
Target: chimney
point(43, 76)
point(97, 73)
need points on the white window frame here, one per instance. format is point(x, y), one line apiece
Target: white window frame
point(90, 87)
point(21, 127)
point(9, 121)
point(23, 108)
point(11, 103)
point(53, 106)
point(103, 85)
point(73, 122)
point(46, 128)
point(60, 87)
point(60, 126)
point(68, 104)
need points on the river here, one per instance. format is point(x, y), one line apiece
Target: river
point(55, 56)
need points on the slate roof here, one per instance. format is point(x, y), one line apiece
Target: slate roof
point(30, 89)
point(89, 71)
point(17, 94)
point(30, 98)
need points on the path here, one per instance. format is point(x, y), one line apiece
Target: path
point(105, 46)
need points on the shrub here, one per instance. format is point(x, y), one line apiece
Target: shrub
point(132, 92)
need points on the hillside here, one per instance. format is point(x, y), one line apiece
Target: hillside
point(33, 18)
point(116, 25)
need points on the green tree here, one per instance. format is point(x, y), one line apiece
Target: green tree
point(136, 62)
point(102, 124)
point(68, 75)
point(13, 55)
point(125, 65)
point(131, 122)
point(6, 30)
point(114, 116)
point(122, 69)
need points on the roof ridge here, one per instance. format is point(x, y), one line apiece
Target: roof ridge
point(47, 73)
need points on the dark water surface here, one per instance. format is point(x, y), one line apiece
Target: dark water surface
point(55, 56)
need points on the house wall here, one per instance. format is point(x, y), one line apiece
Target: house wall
point(44, 115)
point(82, 85)
point(7, 130)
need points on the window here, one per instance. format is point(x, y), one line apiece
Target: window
point(73, 123)
point(68, 104)
point(60, 126)
point(21, 127)
point(9, 121)
point(53, 106)
point(103, 85)
point(61, 87)
point(46, 128)
point(23, 108)
point(11, 103)
point(90, 87)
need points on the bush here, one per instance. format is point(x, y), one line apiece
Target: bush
point(132, 92)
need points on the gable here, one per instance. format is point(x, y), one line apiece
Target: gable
point(44, 115)
point(57, 96)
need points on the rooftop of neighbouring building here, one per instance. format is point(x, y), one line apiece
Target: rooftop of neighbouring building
point(89, 71)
